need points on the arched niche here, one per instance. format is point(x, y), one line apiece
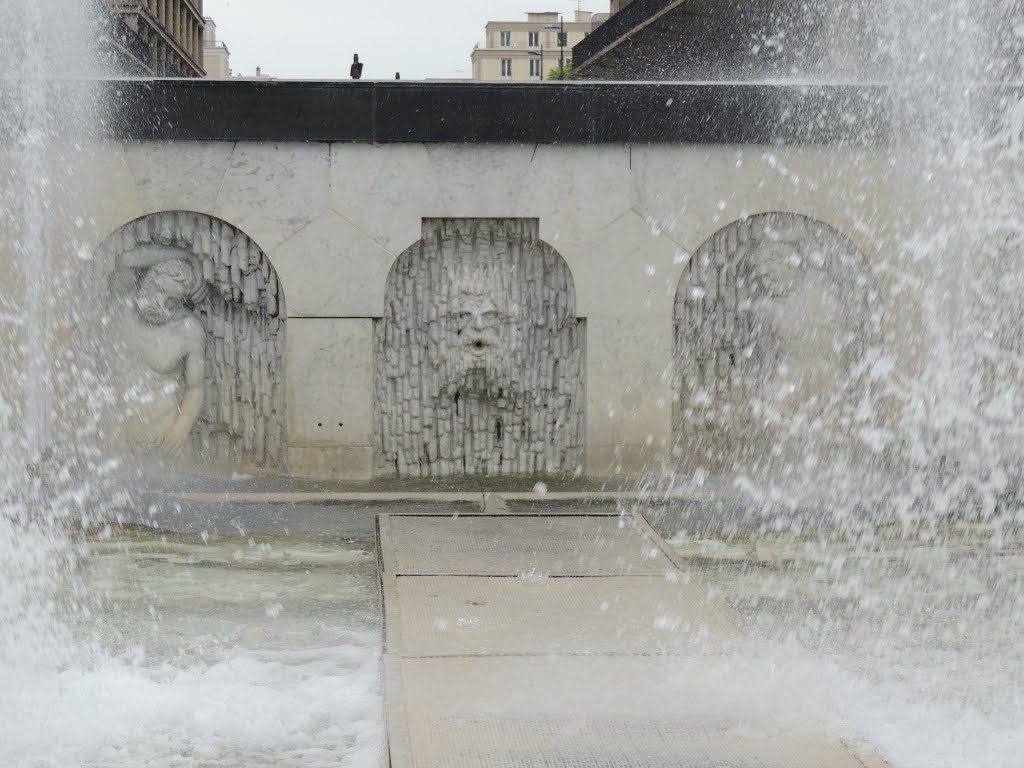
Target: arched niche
point(479, 355)
point(229, 313)
point(771, 324)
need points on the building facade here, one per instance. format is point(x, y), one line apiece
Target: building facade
point(168, 34)
point(528, 50)
point(122, 52)
point(216, 56)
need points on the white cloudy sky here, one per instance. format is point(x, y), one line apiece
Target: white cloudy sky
point(316, 38)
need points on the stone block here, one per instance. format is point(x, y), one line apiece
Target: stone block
point(339, 462)
point(178, 176)
point(384, 191)
point(332, 269)
point(624, 267)
point(330, 382)
point(690, 195)
point(271, 191)
point(629, 392)
point(98, 197)
point(554, 183)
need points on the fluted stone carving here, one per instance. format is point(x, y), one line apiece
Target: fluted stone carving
point(239, 305)
point(479, 355)
point(771, 324)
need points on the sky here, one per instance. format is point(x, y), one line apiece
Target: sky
point(316, 38)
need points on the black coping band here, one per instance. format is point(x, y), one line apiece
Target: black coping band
point(586, 112)
point(537, 113)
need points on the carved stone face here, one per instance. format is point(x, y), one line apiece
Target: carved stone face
point(778, 270)
point(161, 296)
point(477, 322)
point(483, 337)
point(803, 328)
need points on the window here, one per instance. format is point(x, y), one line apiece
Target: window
point(534, 39)
point(534, 67)
point(506, 67)
point(506, 39)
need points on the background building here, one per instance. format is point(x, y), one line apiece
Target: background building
point(528, 50)
point(160, 38)
point(121, 51)
point(216, 56)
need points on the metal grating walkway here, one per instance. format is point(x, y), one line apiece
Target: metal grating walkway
point(562, 641)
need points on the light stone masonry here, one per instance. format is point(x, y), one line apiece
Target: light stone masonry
point(620, 230)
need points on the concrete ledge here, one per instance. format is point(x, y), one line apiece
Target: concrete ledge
point(352, 514)
point(443, 497)
point(329, 461)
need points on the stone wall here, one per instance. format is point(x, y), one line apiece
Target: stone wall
point(479, 355)
point(334, 220)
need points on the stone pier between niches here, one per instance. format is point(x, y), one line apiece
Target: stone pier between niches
point(562, 640)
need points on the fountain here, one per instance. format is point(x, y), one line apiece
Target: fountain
point(847, 480)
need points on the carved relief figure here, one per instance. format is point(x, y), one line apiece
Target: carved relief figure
point(162, 367)
point(771, 322)
point(990, 335)
point(479, 354)
point(202, 321)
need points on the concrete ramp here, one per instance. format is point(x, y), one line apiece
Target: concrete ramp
point(563, 641)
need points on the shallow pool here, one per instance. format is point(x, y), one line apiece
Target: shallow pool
point(225, 652)
point(249, 649)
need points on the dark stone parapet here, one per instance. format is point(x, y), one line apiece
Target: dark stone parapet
point(620, 25)
point(536, 113)
point(557, 112)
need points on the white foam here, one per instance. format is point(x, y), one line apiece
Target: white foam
point(306, 708)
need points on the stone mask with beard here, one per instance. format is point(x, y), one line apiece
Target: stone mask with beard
point(483, 341)
point(802, 329)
